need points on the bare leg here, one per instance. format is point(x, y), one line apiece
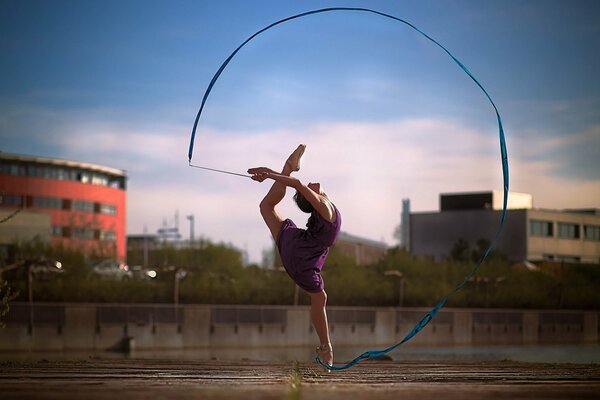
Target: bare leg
point(277, 193)
point(319, 320)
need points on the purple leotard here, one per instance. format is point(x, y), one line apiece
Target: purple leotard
point(303, 251)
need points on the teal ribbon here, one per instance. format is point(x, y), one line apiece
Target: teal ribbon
point(503, 155)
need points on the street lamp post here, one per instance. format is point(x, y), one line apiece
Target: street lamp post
point(56, 266)
point(32, 269)
point(179, 275)
point(400, 275)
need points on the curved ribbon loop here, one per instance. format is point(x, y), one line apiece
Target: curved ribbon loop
point(503, 155)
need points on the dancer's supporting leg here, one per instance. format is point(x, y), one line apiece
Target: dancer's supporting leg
point(277, 192)
point(319, 319)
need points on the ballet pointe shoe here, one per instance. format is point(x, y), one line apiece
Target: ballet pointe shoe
point(325, 353)
point(293, 161)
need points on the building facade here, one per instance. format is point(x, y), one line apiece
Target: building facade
point(85, 202)
point(529, 234)
point(364, 251)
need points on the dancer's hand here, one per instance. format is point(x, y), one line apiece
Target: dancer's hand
point(260, 170)
point(259, 176)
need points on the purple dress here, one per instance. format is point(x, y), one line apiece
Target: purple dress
point(303, 251)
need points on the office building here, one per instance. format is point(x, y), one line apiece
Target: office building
point(85, 203)
point(529, 234)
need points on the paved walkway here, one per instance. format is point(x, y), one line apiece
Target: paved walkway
point(247, 380)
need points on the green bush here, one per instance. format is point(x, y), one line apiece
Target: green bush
point(216, 275)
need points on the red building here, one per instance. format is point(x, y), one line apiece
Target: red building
point(86, 202)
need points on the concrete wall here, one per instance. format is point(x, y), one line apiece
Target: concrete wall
point(101, 327)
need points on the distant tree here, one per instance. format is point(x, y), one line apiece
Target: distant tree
point(268, 258)
point(460, 251)
point(217, 275)
point(481, 247)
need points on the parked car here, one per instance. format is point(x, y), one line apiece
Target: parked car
point(139, 272)
point(113, 269)
point(43, 269)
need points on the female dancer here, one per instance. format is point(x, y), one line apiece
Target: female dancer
point(303, 251)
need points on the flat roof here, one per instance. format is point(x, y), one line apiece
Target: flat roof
point(61, 163)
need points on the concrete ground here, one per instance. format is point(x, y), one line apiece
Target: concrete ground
point(134, 379)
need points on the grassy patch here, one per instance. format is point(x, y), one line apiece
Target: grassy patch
point(295, 382)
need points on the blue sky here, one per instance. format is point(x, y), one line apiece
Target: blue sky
point(385, 113)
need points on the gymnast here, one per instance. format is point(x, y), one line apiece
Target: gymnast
point(303, 251)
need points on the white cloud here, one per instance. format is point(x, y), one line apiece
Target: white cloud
point(588, 136)
point(367, 168)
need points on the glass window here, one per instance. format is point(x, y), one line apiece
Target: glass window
point(108, 236)
point(117, 182)
point(84, 177)
point(11, 200)
point(47, 202)
point(11, 169)
point(568, 231)
point(82, 205)
point(72, 175)
point(47, 172)
point(61, 174)
point(99, 180)
point(108, 209)
point(50, 171)
point(38, 171)
point(82, 233)
point(591, 232)
point(541, 228)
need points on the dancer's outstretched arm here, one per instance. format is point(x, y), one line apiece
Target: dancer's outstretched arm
point(261, 173)
point(320, 203)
